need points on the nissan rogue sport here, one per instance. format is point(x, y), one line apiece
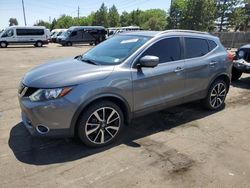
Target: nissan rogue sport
point(132, 74)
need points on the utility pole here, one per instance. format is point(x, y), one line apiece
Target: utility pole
point(24, 14)
point(78, 12)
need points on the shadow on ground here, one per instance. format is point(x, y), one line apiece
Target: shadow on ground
point(43, 151)
point(243, 83)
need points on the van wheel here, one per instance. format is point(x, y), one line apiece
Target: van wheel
point(39, 44)
point(69, 43)
point(236, 74)
point(3, 44)
point(91, 44)
point(216, 95)
point(100, 124)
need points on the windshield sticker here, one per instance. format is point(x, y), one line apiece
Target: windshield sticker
point(129, 41)
point(116, 60)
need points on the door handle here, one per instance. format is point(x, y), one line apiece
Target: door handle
point(212, 63)
point(178, 69)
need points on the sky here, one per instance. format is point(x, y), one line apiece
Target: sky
point(48, 9)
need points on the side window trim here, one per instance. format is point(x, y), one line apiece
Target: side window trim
point(133, 64)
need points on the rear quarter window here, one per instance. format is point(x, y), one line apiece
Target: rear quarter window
point(212, 45)
point(196, 47)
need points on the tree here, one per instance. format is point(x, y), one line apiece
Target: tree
point(125, 19)
point(43, 23)
point(113, 17)
point(13, 21)
point(101, 16)
point(192, 14)
point(53, 24)
point(153, 19)
point(225, 9)
point(64, 22)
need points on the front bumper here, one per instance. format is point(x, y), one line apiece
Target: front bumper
point(56, 115)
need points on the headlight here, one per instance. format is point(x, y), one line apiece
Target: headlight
point(49, 94)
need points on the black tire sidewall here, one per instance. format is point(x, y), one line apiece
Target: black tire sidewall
point(84, 117)
point(3, 43)
point(206, 101)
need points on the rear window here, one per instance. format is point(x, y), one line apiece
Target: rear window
point(196, 47)
point(24, 32)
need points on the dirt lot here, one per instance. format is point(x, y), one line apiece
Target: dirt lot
point(179, 147)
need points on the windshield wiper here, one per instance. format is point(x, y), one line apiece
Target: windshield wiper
point(88, 61)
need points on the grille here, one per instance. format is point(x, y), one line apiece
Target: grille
point(26, 91)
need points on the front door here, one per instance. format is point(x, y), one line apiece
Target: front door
point(163, 85)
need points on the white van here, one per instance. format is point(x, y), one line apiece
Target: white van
point(36, 35)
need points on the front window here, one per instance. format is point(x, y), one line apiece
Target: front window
point(67, 33)
point(115, 50)
point(8, 33)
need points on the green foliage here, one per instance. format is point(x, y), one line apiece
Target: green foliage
point(43, 23)
point(154, 19)
point(101, 16)
point(13, 21)
point(113, 17)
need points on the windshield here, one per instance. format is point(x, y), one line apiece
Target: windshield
point(66, 33)
point(115, 50)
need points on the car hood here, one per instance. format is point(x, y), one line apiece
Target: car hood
point(65, 73)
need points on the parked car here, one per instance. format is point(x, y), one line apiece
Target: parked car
point(57, 33)
point(83, 34)
point(129, 75)
point(112, 31)
point(241, 63)
point(36, 35)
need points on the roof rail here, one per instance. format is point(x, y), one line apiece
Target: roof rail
point(180, 30)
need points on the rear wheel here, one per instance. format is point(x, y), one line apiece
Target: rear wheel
point(100, 124)
point(216, 95)
point(69, 43)
point(3, 44)
point(39, 44)
point(236, 74)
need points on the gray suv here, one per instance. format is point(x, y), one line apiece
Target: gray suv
point(129, 75)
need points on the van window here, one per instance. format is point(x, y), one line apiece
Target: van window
point(74, 33)
point(167, 50)
point(25, 32)
point(196, 47)
point(8, 33)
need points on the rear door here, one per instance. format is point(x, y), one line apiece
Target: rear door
point(200, 65)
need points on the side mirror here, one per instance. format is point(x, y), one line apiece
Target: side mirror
point(149, 61)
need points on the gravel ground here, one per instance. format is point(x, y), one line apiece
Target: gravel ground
point(183, 146)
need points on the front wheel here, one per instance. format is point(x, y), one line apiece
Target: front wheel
point(100, 124)
point(3, 44)
point(216, 95)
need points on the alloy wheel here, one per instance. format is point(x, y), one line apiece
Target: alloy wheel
point(218, 95)
point(102, 125)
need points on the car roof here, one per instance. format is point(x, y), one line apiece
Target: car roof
point(245, 46)
point(169, 32)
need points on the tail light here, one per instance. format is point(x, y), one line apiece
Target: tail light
point(230, 57)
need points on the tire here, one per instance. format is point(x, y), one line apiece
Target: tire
point(39, 44)
point(3, 44)
point(69, 43)
point(236, 74)
point(216, 95)
point(91, 44)
point(96, 131)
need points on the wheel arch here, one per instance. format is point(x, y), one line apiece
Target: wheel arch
point(118, 100)
point(224, 77)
